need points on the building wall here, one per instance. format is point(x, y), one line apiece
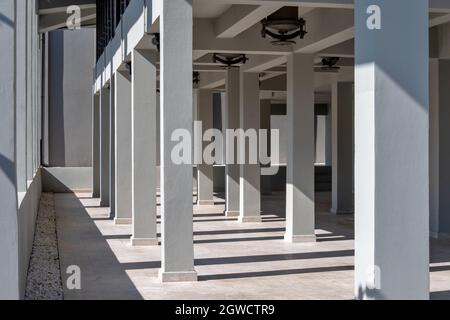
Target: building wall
point(28, 210)
point(71, 59)
point(20, 107)
point(68, 147)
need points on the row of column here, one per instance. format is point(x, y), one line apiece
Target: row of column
point(342, 124)
point(243, 189)
point(125, 143)
point(124, 153)
point(391, 148)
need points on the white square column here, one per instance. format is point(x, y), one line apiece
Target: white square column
point(439, 148)
point(96, 145)
point(391, 149)
point(176, 27)
point(444, 148)
point(232, 171)
point(342, 106)
point(122, 141)
point(265, 114)
point(144, 126)
point(104, 147)
point(250, 174)
point(112, 150)
point(9, 228)
point(205, 176)
point(434, 148)
point(300, 208)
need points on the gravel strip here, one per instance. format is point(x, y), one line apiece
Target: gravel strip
point(44, 274)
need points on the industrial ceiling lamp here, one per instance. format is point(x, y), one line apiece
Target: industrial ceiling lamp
point(284, 26)
point(229, 59)
point(329, 64)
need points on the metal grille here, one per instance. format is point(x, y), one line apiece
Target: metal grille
point(109, 13)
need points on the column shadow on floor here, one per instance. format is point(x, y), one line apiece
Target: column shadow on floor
point(255, 259)
point(81, 244)
point(272, 273)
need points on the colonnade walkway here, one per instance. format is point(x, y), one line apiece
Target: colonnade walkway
point(233, 260)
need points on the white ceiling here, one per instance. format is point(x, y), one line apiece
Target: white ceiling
point(209, 9)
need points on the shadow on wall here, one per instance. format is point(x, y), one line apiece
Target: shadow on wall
point(8, 168)
point(6, 20)
point(71, 57)
point(57, 150)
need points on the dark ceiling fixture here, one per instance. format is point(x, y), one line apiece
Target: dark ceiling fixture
point(229, 59)
point(128, 67)
point(156, 41)
point(196, 79)
point(284, 26)
point(329, 64)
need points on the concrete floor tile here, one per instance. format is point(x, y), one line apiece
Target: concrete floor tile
point(233, 260)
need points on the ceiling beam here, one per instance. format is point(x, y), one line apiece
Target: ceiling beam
point(211, 80)
point(342, 50)
point(239, 18)
point(248, 42)
point(334, 38)
point(262, 63)
point(56, 6)
point(50, 22)
point(338, 29)
point(435, 5)
point(197, 54)
point(307, 3)
point(212, 68)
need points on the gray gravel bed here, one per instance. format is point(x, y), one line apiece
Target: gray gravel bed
point(44, 274)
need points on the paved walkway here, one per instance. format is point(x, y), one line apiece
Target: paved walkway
point(233, 260)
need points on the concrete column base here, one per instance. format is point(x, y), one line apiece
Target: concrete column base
point(205, 202)
point(178, 276)
point(300, 239)
point(139, 242)
point(434, 235)
point(231, 213)
point(342, 211)
point(249, 219)
point(123, 221)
